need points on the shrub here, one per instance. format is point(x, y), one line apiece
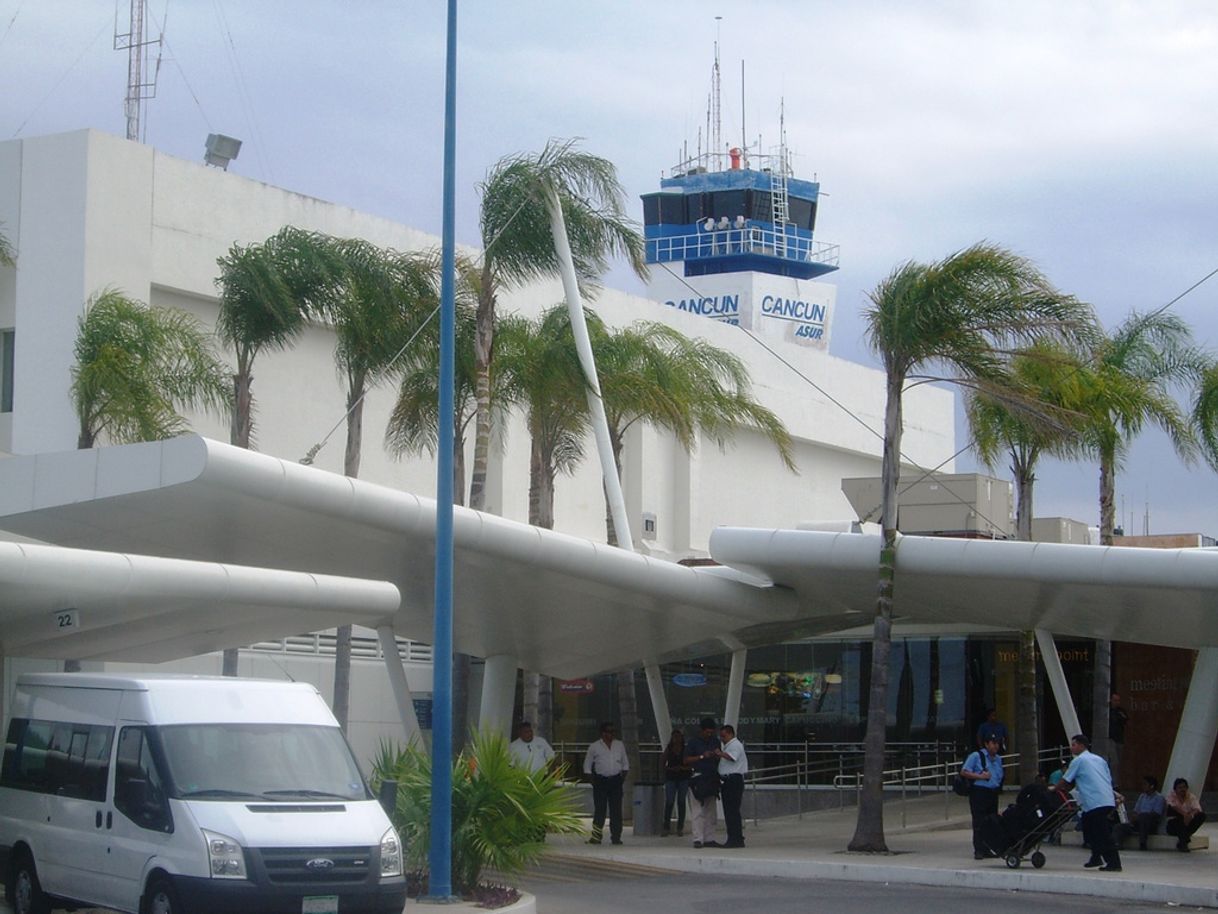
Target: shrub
point(500, 812)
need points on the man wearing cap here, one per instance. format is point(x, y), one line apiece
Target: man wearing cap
point(1089, 773)
point(702, 754)
point(983, 769)
point(530, 752)
point(606, 763)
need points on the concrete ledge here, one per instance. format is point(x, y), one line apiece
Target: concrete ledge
point(526, 904)
point(865, 868)
point(1199, 842)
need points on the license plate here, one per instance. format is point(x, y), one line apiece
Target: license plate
point(319, 904)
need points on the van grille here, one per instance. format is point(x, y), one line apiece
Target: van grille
point(291, 865)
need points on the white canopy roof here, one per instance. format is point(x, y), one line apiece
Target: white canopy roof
point(1154, 596)
point(76, 603)
point(560, 605)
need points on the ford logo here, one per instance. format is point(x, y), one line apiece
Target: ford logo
point(320, 863)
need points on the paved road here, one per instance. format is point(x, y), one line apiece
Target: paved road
point(588, 887)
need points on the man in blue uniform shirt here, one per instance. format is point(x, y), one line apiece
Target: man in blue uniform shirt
point(1089, 774)
point(983, 769)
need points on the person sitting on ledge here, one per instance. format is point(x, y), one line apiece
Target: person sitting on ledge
point(1184, 815)
point(1147, 812)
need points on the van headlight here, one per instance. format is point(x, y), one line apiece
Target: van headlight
point(225, 857)
point(391, 854)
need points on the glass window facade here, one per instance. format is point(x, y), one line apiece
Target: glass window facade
point(817, 692)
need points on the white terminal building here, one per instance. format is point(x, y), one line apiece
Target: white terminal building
point(87, 211)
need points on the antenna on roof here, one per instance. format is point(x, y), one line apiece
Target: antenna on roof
point(716, 138)
point(140, 86)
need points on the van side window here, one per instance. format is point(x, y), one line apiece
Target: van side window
point(139, 789)
point(72, 760)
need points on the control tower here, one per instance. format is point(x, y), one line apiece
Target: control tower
point(730, 236)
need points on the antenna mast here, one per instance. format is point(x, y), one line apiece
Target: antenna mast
point(140, 86)
point(716, 138)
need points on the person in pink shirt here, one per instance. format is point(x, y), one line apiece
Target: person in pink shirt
point(1184, 815)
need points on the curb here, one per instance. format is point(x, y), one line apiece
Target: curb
point(988, 878)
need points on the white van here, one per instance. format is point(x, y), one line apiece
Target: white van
point(167, 794)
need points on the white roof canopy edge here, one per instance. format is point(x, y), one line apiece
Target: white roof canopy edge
point(59, 602)
point(1154, 596)
point(562, 605)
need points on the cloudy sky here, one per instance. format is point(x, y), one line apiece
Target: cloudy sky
point(1083, 135)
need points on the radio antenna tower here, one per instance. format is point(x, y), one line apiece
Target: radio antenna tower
point(140, 86)
point(716, 139)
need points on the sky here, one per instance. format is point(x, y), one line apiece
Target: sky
point(1081, 135)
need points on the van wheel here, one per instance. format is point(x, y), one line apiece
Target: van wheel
point(160, 897)
point(26, 891)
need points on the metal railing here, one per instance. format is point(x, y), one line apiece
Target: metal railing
point(933, 777)
point(809, 763)
point(747, 240)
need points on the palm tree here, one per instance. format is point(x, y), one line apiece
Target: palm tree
point(1053, 376)
point(413, 426)
point(963, 314)
point(264, 300)
point(518, 247)
point(542, 373)
point(1134, 370)
point(136, 367)
point(265, 291)
point(377, 301)
point(654, 374)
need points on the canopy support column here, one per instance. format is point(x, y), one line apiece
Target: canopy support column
point(1190, 755)
point(735, 688)
point(397, 681)
point(659, 703)
point(1057, 682)
point(498, 694)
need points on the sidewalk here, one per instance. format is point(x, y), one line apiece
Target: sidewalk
point(930, 850)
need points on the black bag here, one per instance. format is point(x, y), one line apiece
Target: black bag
point(962, 785)
point(704, 786)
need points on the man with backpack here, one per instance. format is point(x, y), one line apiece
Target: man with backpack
point(983, 770)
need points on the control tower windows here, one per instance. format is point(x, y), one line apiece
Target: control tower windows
point(803, 213)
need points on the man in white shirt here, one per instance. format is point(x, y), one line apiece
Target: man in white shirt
point(606, 763)
point(733, 765)
point(530, 752)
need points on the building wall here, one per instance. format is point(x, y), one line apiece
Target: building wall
point(88, 211)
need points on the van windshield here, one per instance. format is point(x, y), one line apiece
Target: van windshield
point(265, 762)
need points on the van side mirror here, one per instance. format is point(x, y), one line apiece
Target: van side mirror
point(387, 795)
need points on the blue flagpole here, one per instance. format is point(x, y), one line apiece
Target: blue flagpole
point(440, 851)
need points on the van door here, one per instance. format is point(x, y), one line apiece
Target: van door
point(77, 760)
point(138, 822)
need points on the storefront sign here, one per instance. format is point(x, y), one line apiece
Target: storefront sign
point(577, 686)
point(689, 680)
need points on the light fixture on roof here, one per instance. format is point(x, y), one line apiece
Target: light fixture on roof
point(221, 150)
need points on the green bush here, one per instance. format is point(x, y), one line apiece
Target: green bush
point(500, 812)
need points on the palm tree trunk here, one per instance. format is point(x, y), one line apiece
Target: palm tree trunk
point(239, 435)
point(484, 338)
point(1101, 675)
point(461, 662)
point(86, 438)
point(628, 710)
point(243, 402)
point(1027, 724)
point(869, 830)
point(341, 705)
point(627, 694)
